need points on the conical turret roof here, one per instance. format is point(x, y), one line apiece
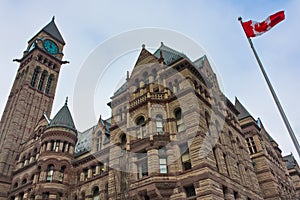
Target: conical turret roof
point(63, 118)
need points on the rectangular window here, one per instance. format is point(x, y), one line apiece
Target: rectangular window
point(143, 168)
point(185, 157)
point(99, 139)
point(142, 165)
point(141, 131)
point(251, 145)
point(190, 192)
point(163, 165)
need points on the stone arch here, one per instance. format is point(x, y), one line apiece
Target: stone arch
point(34, 76)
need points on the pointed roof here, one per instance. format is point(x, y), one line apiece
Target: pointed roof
point(63, 118)
point(145, 57)
point(242, 110)
point(52, 30)
point(290, 161)
point(169, 55)
point(199, 62)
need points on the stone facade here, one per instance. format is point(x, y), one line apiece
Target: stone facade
point(172, 134)
point(32, 95)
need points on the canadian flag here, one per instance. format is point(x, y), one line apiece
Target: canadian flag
point(253, 29)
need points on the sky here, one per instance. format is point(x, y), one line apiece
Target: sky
point(87, 25)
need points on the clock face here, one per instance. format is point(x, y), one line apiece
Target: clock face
point(50, 46)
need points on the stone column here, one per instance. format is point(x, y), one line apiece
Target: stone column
point(61, 145)
point(89, 173)
point(71, 149)
point(48, 146)
point(153, 162)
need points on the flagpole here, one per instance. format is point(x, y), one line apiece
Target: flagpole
point(282, 113)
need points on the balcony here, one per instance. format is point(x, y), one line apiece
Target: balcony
point(149, 96)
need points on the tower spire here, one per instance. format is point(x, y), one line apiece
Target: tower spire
point(66, 102)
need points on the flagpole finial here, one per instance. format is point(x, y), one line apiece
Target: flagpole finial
point(240, 18)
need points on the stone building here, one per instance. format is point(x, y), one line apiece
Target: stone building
point(172, 134)
point(270, 167)
point(294, 172)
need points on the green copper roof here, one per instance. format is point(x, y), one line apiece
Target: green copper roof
point(63, 119)
point(169, 55)
point(52, 29)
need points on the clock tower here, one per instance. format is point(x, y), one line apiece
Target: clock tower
point(32, 94)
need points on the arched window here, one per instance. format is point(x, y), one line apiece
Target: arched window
point(159, 124)
point(34, 77)
point(154, 73)
point(123, 142)
point(96, 193)
point(179, 121)
point(61, 174)
point(34, 154)
point(176, 85)
point(24, 181)
point(50, 172)
point(29, 156)
point(48, 86)
point(170, 87)
point(207, 120)
point(226, 163)
point(42, 80)
point(146, 78)
point(99, 141)
point(140, 131)
point(218, 131)
point(216, 158)
point(16, 185)
point(38, 173)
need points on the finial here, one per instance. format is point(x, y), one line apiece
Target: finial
point(66, 103)
point(161, 43)
point(127, 76)
point(143, 46)
point(53, 18)
point(240, 18)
